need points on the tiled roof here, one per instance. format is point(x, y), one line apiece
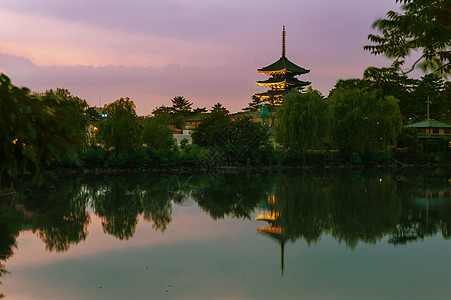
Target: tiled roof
point(284, 64)
point(429, 123)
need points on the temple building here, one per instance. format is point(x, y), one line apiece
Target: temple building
point(282, 79)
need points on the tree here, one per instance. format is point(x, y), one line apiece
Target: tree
point(121, 128)
point(423, 25)
point(303, 121)
point(181, 106)
point(92, 114)
point(364, 121)
point(209, 131)
point(256, 103)
point(180, 109)
point(37, 130)
point(219, 108)
point(79, 120)
point(445, 100)
point(156, 133)
point(429, 88)
point(389, 82)
point(200, 110)
point(272, 103)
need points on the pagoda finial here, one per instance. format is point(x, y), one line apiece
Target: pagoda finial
point(283, 41)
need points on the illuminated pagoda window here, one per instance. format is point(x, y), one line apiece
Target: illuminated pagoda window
point(282, 79)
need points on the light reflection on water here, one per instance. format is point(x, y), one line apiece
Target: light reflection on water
point(328, 235)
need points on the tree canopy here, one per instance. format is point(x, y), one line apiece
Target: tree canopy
point(422, 25)
point(364, 121)
point(37, 130)
point(303, 121)
point(121, 129)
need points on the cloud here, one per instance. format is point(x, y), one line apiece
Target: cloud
point(207, 51)
point(149, 87)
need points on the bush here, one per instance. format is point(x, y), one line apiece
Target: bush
point(354, 158)
point(94, 157)
point(293, 158)
point(128, 159)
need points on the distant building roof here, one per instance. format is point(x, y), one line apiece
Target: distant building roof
point(197, 117)
point(245, 114)
point(429, 123)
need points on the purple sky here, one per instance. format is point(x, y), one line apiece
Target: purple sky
point(205, 50)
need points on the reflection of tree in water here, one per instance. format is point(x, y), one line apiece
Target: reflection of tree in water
point(120, 200)
point(10, 224)
point(426, 205)
point(157, 207)
point(302, 206)
point(59, 213)
point(117, 202)
point(237, 195)
point(364, 209)
point(350, 207)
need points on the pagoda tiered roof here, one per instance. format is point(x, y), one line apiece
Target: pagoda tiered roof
point(283, 65)
point(282, 81)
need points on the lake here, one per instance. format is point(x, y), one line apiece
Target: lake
point(327, 234)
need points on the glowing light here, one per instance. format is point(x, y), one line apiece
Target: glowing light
point(15, 141)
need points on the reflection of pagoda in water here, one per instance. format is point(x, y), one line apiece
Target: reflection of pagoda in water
point(272, 230)
point(283, 77)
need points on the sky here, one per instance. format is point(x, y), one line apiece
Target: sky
point(205, 50)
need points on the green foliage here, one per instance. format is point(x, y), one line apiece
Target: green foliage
point(444, 111)
point(121, 130)
point(92, 114)
point(354, 158)
point(364, 121)
point(422, 25)
point(208, 133)
point(181, 109)
point(93, 157)
point(430, 88)
point(128, 159)
point(256, 104)
point(303, 121)
point(181, 106)
point(37, 130)
point(231, 142)
point(218, 108)
point(157, 134)
point(293, 157)
point(200, 110)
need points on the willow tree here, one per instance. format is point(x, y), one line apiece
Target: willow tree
point(156, 132)
point(36, 130)
point(121, 128)
point(364, 120)
point(303, 121)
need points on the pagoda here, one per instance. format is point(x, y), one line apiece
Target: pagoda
point(283, 78)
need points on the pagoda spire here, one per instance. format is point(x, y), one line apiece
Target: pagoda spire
point(283, 77)
point(283, 41)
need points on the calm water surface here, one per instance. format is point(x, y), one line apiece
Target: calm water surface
point(310, 235)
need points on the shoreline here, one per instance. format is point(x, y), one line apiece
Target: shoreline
point(67, 171)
